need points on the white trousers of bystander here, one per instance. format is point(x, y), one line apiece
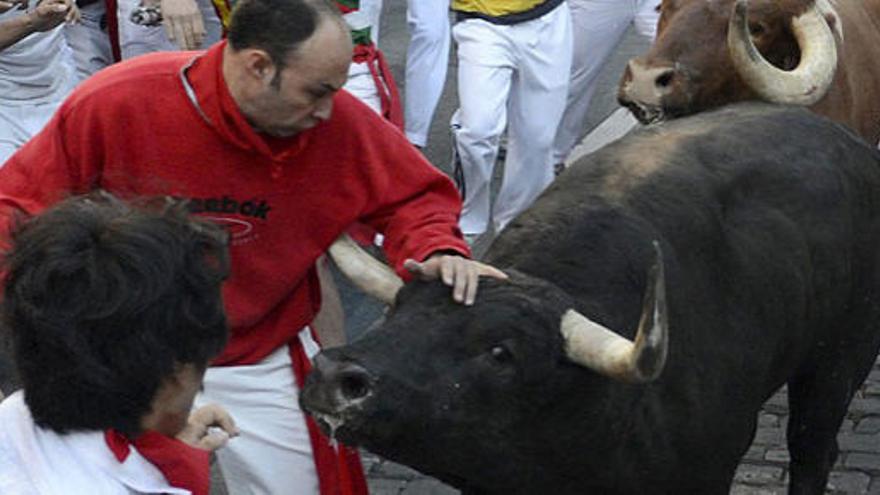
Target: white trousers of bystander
point(427, 58)
point(598, 26)
point(514, 76)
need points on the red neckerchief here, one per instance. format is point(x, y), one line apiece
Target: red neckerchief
point(340, 471)
point(215, 102)
point(182, 465)
point(384, 81)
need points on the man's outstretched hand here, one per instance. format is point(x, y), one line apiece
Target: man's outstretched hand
point(458, 272)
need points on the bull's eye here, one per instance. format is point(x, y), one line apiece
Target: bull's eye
point(756, 29)
point(500, 354)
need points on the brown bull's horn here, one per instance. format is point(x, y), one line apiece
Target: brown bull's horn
point(804, 85)
point(591, 345)
point(366, 272)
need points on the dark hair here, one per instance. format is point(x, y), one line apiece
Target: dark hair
point(106, 299)
point(277, 26)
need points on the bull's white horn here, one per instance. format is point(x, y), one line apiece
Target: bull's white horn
point(366, 272)
point(804, 85)
point(592, 345)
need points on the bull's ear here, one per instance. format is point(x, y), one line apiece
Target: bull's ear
point(366, 272)
point(592, 345)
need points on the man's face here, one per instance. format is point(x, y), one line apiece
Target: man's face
point(174, 400)
point(300, 96)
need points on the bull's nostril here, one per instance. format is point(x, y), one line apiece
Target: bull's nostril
point(664, 79)
point(354, 386)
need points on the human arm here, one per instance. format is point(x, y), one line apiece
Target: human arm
point(183, 22)
point(418, 213)
point(209, 428)
point(10, 4)
point(46, 16)
point(39, 174)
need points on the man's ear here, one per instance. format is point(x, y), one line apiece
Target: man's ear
point(258, 64)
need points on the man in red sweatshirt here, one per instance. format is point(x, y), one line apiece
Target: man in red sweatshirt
point(257, 134)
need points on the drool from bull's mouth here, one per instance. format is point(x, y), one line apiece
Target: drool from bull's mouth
point(329, 422)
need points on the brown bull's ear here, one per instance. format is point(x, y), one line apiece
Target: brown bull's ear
point(596, 347)
point(366, 272)
point(804, 85)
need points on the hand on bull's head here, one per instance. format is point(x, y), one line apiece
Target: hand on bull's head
point(377, 279)
point(458, 272)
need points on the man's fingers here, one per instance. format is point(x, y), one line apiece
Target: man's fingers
point(188, 37)
point(198, 31)
point(462, 274)
point(73, 15)
point(192, 433)
point(459, 279)
point(215, 415)
point(215, 439)
point(191, 32)
point(448, 270)
point(188, 30)
point(169, 29)
point(473, 280)
point(225, 422)
point(180, 34)
point(490, 271)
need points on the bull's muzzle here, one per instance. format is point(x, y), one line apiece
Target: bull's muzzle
point(335, 391)
point(644, 87)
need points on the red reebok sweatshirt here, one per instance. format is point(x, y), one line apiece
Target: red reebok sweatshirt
point(165, 124)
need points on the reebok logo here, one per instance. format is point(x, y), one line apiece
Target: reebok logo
point(251, 208)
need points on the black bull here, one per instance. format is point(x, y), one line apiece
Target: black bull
point(769, 221)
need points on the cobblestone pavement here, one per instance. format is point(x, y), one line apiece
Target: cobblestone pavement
point(763, 471)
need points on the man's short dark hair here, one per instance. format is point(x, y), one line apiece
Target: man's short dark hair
point(105, 299)
point(276, 26)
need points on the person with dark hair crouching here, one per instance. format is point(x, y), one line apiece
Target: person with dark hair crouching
point(114, 310)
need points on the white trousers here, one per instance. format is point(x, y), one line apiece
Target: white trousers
point(598, 26)
point(361, 85)
point(137, 40)
point(273, 454)
point(513, 76)
point(20, 122)
point(360, 81)
point(427, 58)
point(90, 43)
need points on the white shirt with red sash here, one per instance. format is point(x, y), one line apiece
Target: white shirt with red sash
point(34, 460)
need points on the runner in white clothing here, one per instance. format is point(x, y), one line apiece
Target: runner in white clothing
point(427, 59)
point(513, 72)
point(597, 28)
point(36, 68)
point(113, 311)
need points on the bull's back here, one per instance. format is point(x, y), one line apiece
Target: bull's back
point(767, 215)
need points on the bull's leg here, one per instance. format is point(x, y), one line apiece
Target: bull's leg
point(818, 404)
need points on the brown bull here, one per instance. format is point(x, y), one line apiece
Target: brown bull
point(708, 53)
